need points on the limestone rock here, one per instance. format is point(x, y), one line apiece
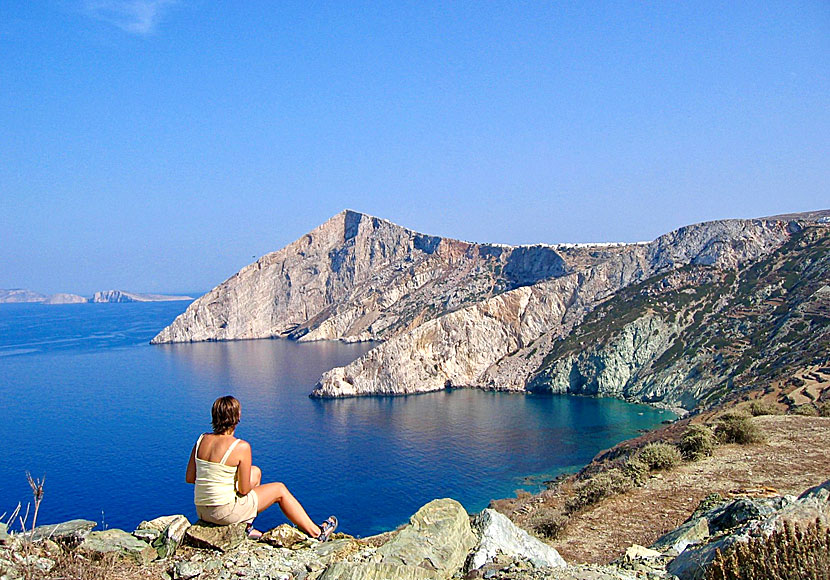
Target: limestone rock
point(210, 536)
point(160, 523)
point(357, 277)
point(118, 542)
point(185, 570)
point(171, 536)
point(638, 552)
point(437, 538)
point(378, 571)
point(284, 536)
point(691, 532)
point(63, 298)
point(123, 296)
point(500, 342)
point(500, 535)
point(70, 533)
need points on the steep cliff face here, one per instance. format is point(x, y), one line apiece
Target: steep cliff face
point(500, 343)
point(691, 337)
point(357, 277)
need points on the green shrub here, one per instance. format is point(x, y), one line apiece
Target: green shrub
point(593, 490)
point(790, 554)
point(548, 522)
point(824, 409)
point(698, 441)
point(757, 408)
point(807, 409)
point(636, 470)
point(659, 456)
point(735, 427)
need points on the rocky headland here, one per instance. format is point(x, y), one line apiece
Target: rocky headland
point(679, 321)
point(19, 295)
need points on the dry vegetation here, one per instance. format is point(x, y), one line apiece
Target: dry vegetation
point(613, 512)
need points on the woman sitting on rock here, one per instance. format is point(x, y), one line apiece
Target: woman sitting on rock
point(228, 488)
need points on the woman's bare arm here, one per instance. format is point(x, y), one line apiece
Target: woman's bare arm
point(190, 475)
point(243, 468)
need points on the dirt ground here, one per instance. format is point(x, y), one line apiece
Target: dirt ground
point(795, 456)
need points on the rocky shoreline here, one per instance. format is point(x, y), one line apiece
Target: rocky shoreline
point(441, 541)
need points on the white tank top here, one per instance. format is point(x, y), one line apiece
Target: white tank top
point(215, 482)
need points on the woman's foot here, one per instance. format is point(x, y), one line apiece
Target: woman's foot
point(253, 534)
point(327, 528)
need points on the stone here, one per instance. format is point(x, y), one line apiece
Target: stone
point(69, 533)
point(146, 535)
point(820, 492)
point(4, 533)
point(185, 570)
point(739, 512)
point(500, 535)
point(691, 532)
point(160, 523)
point(437, 538)
point(210, 536)
point(114, 541)
point(171, 536)
point(377, 571)
point(284, 536)
point(638, 552)
point(691, 564)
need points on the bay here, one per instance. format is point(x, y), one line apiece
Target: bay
point(110, 421)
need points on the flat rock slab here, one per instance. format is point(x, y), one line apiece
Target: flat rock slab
point(118, 542)
point(212, 537)
point(72, 532)
point(437, 539)
point(500, 535)
point(378, 571)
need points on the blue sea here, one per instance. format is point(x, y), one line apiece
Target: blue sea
point(110, 420)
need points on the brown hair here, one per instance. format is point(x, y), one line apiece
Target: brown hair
point(225, 414)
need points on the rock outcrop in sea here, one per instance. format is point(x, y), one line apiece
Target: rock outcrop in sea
point(458, 314)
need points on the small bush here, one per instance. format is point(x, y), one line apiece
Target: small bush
point(659, 456)
point(698, 441)
point(824, 409)
point(758, 408)
point(548, 522)
point(593, 490)
point(807, 409)
point(636, 471)
point(790, 554)
point(737, 428)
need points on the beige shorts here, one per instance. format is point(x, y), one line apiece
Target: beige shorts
point(242, 509)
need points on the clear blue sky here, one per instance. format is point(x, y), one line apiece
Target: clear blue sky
point(155, 145)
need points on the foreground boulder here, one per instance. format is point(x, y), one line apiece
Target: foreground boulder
point(69, 533)
point(118, 542)
point(434, 545)
point(731, 522)
point(164, 533)
point(212, 537)
point(501, 536)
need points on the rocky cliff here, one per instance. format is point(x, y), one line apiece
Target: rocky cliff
point(500, 343)
point(453, 313)
point(123, 296)
point(358, 277)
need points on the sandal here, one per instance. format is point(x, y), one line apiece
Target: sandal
point(327, 528)
point(252, 533)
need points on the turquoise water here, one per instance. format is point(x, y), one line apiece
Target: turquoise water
point(110, 421)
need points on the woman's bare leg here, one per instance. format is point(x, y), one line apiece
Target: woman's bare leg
point(272, 493)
